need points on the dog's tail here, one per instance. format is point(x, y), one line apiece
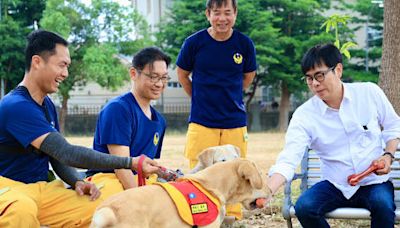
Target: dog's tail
point(104, 217)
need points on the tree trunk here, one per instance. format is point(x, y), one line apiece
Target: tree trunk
point(389, 80)
point(63, 113)
point(2, 88)
point(253, 88)
point(284, 108)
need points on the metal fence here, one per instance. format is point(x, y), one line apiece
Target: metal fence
point(84, 110)
point(166, 108)
point(81, 120)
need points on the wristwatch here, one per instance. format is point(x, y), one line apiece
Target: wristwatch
point(390, 154)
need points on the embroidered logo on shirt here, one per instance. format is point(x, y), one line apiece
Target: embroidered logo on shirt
point(156, 138)
point(238, 58)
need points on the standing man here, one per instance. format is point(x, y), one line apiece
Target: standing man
point(29, 139)
point(346, 124)
point(222, 64)
point(128, 126)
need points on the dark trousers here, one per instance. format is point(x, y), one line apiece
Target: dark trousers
point(324, 197)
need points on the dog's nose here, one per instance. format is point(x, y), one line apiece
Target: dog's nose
point(223, 160)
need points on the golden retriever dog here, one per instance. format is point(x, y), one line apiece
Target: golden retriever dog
point(215, 154)
point(236, 181)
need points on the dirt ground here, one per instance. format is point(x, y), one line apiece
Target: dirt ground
point(263, 148)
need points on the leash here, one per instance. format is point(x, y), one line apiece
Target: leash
point(164, 174)
point(141, 177)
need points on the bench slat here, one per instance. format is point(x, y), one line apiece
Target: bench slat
point(347, 213)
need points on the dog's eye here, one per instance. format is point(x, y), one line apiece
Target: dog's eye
point(223, 160)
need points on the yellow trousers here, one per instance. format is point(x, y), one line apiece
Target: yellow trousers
point(110, 185)
point(43, 203)
point(51, 204)
point(199, 137)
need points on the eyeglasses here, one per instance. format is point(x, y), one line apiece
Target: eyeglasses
point(155, 78)
point(319, 76)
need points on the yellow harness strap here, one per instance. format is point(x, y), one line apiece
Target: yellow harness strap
point(181, 202)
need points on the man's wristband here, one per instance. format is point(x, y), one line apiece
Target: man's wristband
point(390, 154)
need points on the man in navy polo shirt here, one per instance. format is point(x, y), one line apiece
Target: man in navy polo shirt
point(222, 63)
point(128, 125)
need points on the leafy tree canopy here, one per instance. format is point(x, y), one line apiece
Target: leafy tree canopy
point(16, 21)
point(98, 35)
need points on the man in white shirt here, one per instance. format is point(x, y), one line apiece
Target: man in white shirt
point(349, 126)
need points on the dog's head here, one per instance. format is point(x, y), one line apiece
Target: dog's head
point(251, 185)
point(216, 154)
point(236, 181)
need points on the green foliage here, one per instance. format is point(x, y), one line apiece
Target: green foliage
point(332, 23)
point(298, 23)
point(184, 18)
point(97, 34)
point(371, 16)
point(100, 66)
point(12, 47)
point(16, 21)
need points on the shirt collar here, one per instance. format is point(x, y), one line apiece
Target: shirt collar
point(346, 93)
point(323, 107)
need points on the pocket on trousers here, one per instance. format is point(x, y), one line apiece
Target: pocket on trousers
point(4, 206)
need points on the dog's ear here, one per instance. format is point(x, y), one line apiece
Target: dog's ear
point(237, 150)
point(206, 157)
point(249, 172)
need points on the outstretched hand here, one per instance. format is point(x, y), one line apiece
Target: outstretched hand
point(149, 166)
point(87, 188)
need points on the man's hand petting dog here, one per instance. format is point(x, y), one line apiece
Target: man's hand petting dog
point(87, 188)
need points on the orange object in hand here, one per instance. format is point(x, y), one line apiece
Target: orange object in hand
point(354, 179)
point(260, 202)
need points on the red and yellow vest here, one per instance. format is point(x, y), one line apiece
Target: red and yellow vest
point(196, 206)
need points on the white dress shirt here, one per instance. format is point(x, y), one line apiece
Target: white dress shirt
point(346, 140)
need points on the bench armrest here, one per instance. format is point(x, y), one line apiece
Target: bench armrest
point(287, 201)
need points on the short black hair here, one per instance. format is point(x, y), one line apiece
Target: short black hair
point(42, 43)
point(149, 55)
point(218, 3)
point(318, 55)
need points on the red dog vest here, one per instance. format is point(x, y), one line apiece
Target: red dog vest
point(195, 205)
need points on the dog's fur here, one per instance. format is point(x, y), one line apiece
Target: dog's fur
point(216, 154)
point(237, 181)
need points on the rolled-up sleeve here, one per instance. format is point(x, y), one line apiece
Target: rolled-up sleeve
point(296, 141)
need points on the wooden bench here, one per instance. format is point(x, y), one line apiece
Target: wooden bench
point(311, 174)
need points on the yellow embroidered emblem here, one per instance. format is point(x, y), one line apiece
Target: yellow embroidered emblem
point(199, 208)
point(238, 58)
point(246, 137)
point(156, 138)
